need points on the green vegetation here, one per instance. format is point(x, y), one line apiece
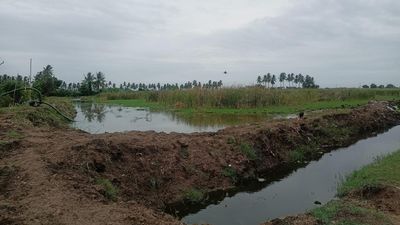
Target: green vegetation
point(384, 171)
point(135, 103)
point(303, 152)
point(345, 213)
point(249, 100)
point(193, 97)
point(153, 183)
point(248, 150)
point(46, 82)
point(231, 140)
point(110, 192)
point(296, 155)
point(230, 172)
point(4, 145)
point(41, 116)
point(14, 134)
point(194, 195)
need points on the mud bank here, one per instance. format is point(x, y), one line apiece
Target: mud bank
point(370, 195)
point(64, 176)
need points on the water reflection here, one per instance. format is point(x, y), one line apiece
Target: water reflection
point(101, 118)
point(93, 112)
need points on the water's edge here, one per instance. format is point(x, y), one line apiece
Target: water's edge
point(218, 199)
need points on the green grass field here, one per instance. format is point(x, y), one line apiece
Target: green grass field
point(248, 101)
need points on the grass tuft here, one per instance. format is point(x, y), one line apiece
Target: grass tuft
point(14, 134)
point(345, 213)
point(231, 173)
point(231, 140)
point(194, 195)
point(110, 191)
point(248, 150)
point(302, 153)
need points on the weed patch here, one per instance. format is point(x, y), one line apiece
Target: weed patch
point(296, 156)
point(302, 153)
point(184, 152)
point(14, 134)
point(231, 140)
point(109, 190)
point(344, 213)
point(248, 150)
point(231, 173)
point(194, 195)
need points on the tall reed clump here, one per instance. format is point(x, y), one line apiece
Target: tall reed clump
point(251, 97)
point(254, 97)
point(126, 94)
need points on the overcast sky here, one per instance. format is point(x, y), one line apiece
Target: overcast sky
point(339, 42)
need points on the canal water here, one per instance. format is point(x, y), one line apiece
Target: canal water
point(102, 118)
point(297, 192)
point(281, 194)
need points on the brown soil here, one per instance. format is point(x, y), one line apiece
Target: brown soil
point(49, 175)
point(385, 198)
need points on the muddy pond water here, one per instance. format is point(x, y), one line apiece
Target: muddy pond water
point(282, 195)
point(101, 118)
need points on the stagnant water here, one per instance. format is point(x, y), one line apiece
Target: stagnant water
point(297, 192)
point(101, 118)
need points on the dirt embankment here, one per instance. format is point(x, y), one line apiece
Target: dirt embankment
point(54, 176)
point(377, 206)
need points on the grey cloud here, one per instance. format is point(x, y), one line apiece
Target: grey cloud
point(354, 40)
point(340, 42)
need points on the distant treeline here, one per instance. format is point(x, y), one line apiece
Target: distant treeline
point(97, 83)
point(94, 83)
point(379, 86)
point(292, 81)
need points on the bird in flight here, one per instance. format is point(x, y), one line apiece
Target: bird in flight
point(225, 72)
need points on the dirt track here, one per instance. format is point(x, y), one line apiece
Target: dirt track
point(48, 176)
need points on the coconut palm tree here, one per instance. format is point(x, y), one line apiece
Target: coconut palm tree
point(99, 81)
point(282, 78)
point(273, 80)
point(259, 80)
